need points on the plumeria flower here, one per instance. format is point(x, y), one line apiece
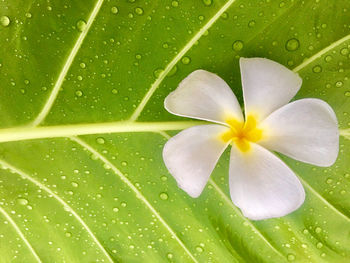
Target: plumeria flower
point(261, 184)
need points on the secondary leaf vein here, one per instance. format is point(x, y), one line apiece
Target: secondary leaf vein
point(60, 200)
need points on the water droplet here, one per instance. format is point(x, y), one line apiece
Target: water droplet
point(317, 69)
point(100, 140)
point(328, 58)
point(292, 44)
point(237, 45)
point(138, 56)
point(28, 15)
point(163, 196)
point(172, 71)
point(22, 201)
point(124, 163)
point(342, 192)
point(139, 11)
point(207, 2)
point(75, 184)
point(339, 84)
point(114, 10)
point(169, 255)
point(29, 207)
point(185, 60)
point(344, 51)
point(164, 178)
point(318, 230)
point(115, 209)
point(81, 25)
point(347, 93)
point(82, 65)
point(68, 234)
point(80, 78)
point(319, 245)
point(329, 180)
point(114, 91)
point(123, 204)
point(199, 249)
point(251, 23)
point(79, 93)
point(165, 45)
point(291, 257)
point(5, 20)
point(224, 15)
point(157, 72)
point(175, 3)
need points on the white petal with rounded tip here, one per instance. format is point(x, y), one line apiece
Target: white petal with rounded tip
point(204, 95)
point(267, 85)
point(192, 154)
point(261, 185)
point(306, 130)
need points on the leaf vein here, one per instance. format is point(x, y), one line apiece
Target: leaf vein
point(53, 95)
point(14, 225)
point(176, 59)
point(139, 195)
point(60, 200)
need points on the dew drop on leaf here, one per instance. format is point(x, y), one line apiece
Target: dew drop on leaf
point(207, 2)
point(318, 230)
point(5, 21)
point(139, 11)
point(163, 196)
point(347, 93)
point(114, 10)
point(157, 72)
point(22, 201)
point(81, 25)
point(237, 45)
point(317, 69)
point(82, 65)
point(328, 58)
point(199, 249)
point(344, 51)
point(100, 140)
point(79, 93)
point(292, 44)
point(251, 23)
point(290, 257)
point(185, 60)
point(175, 3)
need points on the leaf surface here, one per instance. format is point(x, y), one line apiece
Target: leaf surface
point(83, 127)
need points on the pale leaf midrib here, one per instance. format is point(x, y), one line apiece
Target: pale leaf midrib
point(28, 133)
point(65, 205)
point(138, 194)
point(19, 232)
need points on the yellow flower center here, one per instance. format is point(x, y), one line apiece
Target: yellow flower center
point(242, 133)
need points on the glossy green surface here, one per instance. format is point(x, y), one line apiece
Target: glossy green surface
point(69, 197)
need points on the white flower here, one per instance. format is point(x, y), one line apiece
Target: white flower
point(261, 184)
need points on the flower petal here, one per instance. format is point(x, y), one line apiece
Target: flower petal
point(306, 130)
point(267, 86)
point(263, 186)
point(204, 95)
point(192, 154)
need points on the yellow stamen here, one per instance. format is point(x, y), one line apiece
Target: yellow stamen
point(242, 133)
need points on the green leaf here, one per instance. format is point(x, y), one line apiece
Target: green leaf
point(83, 126)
